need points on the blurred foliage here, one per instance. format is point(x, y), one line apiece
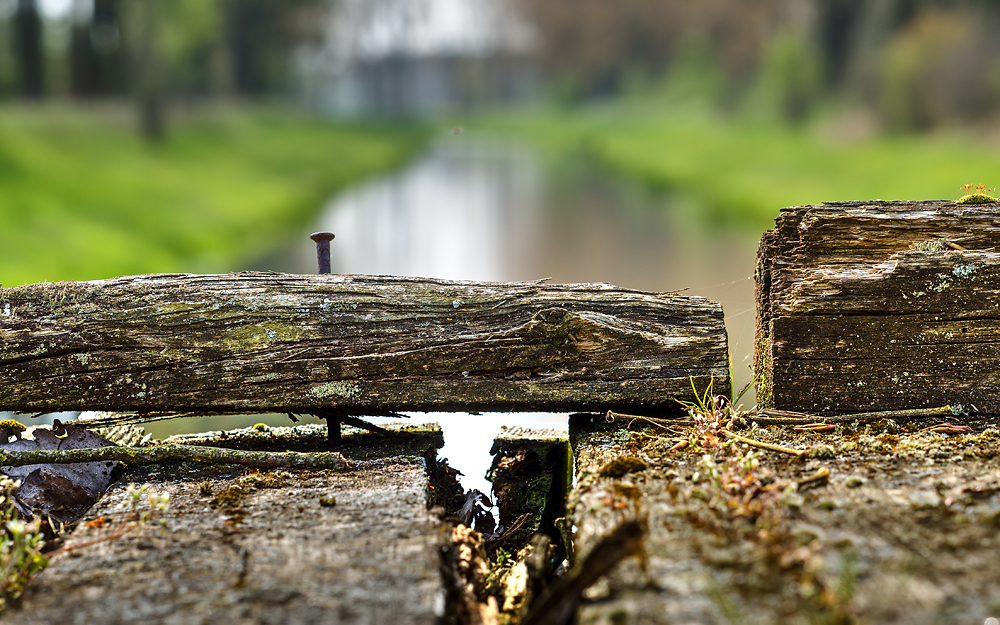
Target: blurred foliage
point(21, 546)
point(942, 66)
point(594, 44)
point(791, 77)
point(84, 198)
point(694, 77)
point(154, 48)
point(741, 171)
point(192, 34)
point(918, 63)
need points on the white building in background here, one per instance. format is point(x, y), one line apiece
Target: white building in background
point(417, 57)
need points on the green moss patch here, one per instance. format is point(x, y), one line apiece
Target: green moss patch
point(620, 467)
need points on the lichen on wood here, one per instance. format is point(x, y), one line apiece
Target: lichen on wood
point(268, 342)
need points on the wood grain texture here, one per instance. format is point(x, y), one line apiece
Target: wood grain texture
point(870, 306)
point(278, 342)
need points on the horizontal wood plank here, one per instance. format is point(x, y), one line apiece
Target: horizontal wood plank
point(259, 342)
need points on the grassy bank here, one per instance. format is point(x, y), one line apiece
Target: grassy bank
point(82, 197)
point(742, 172)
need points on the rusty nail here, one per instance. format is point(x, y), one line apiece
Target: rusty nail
point(322, 240)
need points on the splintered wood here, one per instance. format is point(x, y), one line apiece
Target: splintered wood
point(259, 342)
point(879, 306)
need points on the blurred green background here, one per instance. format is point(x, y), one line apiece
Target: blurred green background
point(203, 135)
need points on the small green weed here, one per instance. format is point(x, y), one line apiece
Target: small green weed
point(157, 505)
point(711, 414)
point(976, 194)
point(20, 546)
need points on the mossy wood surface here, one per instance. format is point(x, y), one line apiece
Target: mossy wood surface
point(880, 306)
point(296, 547)
point(279, 342)
point(176, 453)
point(531, 475)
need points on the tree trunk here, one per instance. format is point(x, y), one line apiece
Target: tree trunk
point(149, 71)
point(95, 55)
point(263, 342)
point(879, 306)
point(28, 49)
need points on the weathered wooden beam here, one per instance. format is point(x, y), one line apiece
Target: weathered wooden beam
point(168, 452)
point(880, 306)
point(351, 345)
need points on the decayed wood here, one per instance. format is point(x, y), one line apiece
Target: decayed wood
point(559, 602)
point(880, 306)
point(257, 342)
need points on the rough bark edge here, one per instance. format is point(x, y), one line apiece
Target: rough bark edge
point(172, 452)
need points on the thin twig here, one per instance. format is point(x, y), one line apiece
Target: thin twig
point(524, 518)
point(786, 417)
point(612, 416)
point(127, 418)
point(123, 418)
point(815, 427)
point(798, 453)
point(171, 452)
point(765, 417)
point(820, 478)
point(659, 423)
point(912, 413)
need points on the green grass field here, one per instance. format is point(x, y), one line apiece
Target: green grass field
point(742, 172)
point(82, 197)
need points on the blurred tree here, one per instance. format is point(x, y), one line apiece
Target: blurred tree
point(28, 49)
point(190, 48)
point(594, 44)
point(835, 25)
point(919, 63)
point(8, 77)
point(261, 36)
point(96, 61)
point(791, 76)
point(942, 66)
point(193, 47)
point(148, 69)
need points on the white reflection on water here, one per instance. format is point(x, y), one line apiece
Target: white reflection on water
point(464, 211)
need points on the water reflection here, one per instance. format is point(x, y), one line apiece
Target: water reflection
point(481, 209)
point(487, 210)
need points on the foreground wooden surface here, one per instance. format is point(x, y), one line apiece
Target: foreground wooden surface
point(259, 342)
point(271, 547)
point(902, 529)
point(880, 306)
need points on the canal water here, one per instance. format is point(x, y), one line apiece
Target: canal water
point(475, 208)
point(481, 208)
